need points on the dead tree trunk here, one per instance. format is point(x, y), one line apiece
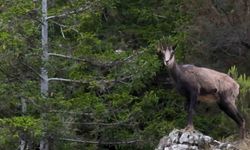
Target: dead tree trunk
point(23, 136)
point(45, 56)
point(44, 73)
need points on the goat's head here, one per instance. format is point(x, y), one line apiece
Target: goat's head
point(167, 52)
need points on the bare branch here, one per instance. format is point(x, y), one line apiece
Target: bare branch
point(214, 8)
point(88, 81)
point(71, 112)
point(101, 142)
point(67, 56)
point(119, 123)
point(62, 32)
point(98, 63)
point(91, 61)
point(160, 16)
point(33, 70)
point(65, 26)
point(68, 80)
point(78, 81)
point(81, 9)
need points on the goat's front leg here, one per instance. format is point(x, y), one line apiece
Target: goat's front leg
point(190, 110)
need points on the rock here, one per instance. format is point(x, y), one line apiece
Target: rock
point(191, 140)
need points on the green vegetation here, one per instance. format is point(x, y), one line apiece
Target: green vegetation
point(108, 88)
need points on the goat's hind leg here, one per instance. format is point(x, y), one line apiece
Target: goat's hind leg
point(231, 110)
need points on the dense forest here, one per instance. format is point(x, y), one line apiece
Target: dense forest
point(86, 74)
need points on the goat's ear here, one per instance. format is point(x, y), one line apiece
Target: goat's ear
point(174, 46)
point(160, 48)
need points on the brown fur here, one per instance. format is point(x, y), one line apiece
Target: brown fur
point(206, 85)
point(210, 82)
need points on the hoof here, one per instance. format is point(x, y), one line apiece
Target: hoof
point(189, 128)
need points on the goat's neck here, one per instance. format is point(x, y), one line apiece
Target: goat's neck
point(174, 69)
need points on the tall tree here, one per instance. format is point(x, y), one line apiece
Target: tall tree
point(44, 143)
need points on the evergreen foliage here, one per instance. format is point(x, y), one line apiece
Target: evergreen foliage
point(108, 88)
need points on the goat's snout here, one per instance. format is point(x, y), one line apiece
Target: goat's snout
point(166, 62)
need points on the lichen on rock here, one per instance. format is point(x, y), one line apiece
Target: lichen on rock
point(191, 140)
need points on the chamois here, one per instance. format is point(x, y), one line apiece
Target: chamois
point(203, 84)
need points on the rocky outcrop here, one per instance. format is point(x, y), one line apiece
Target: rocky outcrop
point(191, 140)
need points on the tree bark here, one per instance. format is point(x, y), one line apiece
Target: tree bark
point(44, 72)
point(23, 136)
point(45, 56)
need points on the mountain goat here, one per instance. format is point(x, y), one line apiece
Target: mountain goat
point(203, 84)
